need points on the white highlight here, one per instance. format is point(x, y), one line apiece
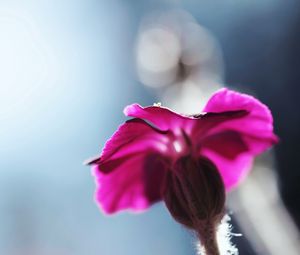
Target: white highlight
point(177, 146)
point(158, 104)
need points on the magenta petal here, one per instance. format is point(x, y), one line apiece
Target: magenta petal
point(230, 154)
point(232, 144)
point(232, 171)
point(256, 128)
point(132, 137)
point(161, 117)
point(130, 170)
point(229, 144)
point(258, 122)
point(135, 184)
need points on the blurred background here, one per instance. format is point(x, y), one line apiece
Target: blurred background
point(67, 69)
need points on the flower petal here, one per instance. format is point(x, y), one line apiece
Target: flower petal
point(232, 143)
point(130, 169)
point(232, 171)
point(167, 120)
point(257, 123)
point(255, 128)
point(163, 118)
point(135, 184)
point(230, 154)
point(132, 137)
point(229, 144)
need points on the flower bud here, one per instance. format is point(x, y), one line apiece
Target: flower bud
point(194, 194)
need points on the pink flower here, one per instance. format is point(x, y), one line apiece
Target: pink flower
point(132, 170)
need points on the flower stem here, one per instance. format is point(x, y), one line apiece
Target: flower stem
point(208, 238)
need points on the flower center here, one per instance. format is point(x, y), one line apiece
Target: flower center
point(181, 144)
